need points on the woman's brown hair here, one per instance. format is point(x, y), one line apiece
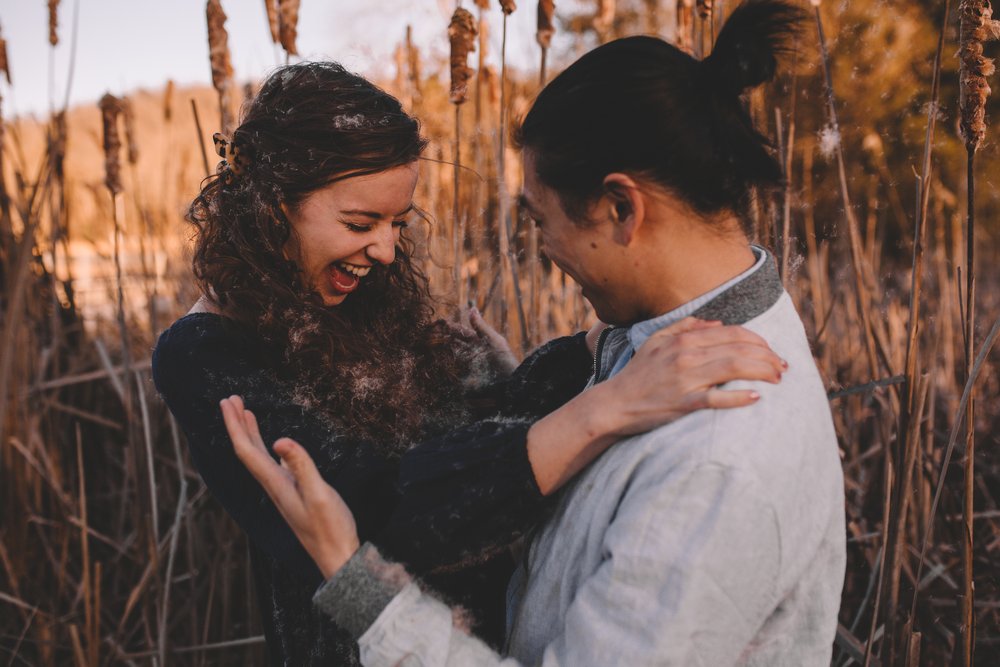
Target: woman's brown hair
point(377, 365)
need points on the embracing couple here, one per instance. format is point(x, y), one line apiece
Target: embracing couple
point(663, 490)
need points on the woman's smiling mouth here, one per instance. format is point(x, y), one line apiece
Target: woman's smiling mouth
point(345, 277)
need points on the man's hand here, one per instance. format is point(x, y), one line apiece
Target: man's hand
point(314, 510)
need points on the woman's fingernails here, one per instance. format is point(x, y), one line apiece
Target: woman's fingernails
point(754, 396)
point(784, 364)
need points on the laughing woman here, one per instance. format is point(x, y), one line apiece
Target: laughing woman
point(315, 313)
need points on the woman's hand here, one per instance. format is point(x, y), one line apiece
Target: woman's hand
point(499, 347)
point(679, 368)
point(314, 510)
point(677, 371)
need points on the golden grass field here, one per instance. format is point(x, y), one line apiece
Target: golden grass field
point(113, 552)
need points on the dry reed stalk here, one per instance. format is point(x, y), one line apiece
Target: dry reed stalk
point(53, 22)
point(863, 297)
point(604, 19)
point(684, 30)
point(201, 137)
point(222, 66)
point(508, 256)
point(168, 101)
point(976, 26)
point(288, 21)
point(271, 8)
point(912, 407)
point(414, 57)
point(544, 32)
point(462, 33)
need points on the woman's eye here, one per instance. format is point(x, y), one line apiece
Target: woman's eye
point(358, 228)
point(400, 224)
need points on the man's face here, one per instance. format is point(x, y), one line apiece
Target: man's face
point(584, 250)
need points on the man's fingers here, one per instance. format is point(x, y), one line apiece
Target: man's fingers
point(301, 466)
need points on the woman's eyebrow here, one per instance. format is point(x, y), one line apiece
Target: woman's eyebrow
point(374, 215)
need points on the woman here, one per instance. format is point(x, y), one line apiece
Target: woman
point(315, 313)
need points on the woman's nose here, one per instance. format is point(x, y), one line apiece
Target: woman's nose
point(382, 249)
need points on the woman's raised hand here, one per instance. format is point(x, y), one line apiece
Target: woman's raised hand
point(313, 509)
point(499, 346)
point(679, 368)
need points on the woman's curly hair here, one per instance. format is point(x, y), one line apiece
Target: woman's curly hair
point(378, 364)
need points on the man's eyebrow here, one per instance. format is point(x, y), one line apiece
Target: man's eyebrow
point(374, 215)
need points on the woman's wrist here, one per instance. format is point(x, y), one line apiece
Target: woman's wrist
point(332, 562)
point(564, 442)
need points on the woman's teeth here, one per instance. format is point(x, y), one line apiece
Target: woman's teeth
point(359, 271)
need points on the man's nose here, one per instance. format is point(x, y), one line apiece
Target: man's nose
point(382, 249)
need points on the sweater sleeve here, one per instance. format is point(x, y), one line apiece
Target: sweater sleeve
point(472, 492)
point(196, 364)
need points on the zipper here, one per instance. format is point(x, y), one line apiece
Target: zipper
point(599, 351)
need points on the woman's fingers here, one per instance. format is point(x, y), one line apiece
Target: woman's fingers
point(720, 399)
point(302, 467)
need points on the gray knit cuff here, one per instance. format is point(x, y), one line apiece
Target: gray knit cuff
point(356, 595)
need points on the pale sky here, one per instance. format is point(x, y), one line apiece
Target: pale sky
point(127, 44)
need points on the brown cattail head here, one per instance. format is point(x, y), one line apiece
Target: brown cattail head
point(976, 26)
point(704, 9)
point(604, 17)
point(111, 107)
point(57, 144)
point(546, 23)
point(218, 45)
point(271, 7)
point(168, 101)
point(288, 21)
point(4, 63)
point(53, 22)
point(222, 67)
point(508, 6)
point(128, 115)
point(483, 4)
point(462, 34)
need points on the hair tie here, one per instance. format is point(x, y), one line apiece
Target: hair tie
point(231, 155)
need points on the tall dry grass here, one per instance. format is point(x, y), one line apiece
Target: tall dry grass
point(112, 551)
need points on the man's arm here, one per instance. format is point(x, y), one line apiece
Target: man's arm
point(688, 579)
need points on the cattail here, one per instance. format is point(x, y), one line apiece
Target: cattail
point(222, 67)
point(462, 34)
point(546, 25)
point(508, 6)
point(483, 4)
point(168, 101)
point(132, 143)
point(4, 63)
point(976, 26)
point(111, 107)
point(288, 20)
point(53, 22)
point(704, 9)
point(604, 17)
point(271, 7)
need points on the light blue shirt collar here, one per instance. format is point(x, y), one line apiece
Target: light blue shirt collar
point(640, 332)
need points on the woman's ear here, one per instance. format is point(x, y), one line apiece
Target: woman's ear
point(625, 206)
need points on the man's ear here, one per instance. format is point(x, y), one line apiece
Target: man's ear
point(625, 206)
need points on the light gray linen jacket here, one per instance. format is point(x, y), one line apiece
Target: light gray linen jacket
point(715, 540)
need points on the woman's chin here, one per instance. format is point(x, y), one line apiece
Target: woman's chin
point(330, 299)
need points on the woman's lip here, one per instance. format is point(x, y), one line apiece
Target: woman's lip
point(341, 281)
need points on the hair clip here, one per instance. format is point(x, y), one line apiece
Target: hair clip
point(231, 154)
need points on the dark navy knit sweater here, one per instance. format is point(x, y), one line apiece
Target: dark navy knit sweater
point(447, 509)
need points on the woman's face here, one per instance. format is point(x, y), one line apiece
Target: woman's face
point(340, 231)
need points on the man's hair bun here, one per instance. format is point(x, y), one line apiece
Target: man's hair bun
point(752, 39)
